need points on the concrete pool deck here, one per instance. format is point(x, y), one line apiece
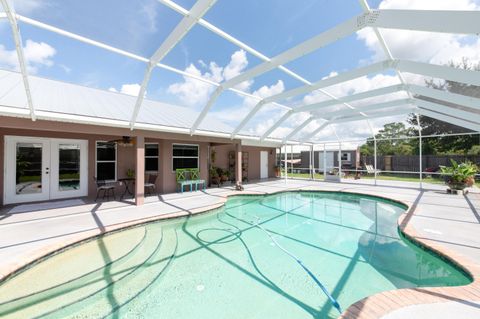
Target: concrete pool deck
point(450, 224)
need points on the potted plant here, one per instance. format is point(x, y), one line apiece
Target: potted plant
point(213, 155)
point(214, 178)
point(231, 177)
point(130, 173)
point(459, 176)
point(225, 177)
point(277, 170)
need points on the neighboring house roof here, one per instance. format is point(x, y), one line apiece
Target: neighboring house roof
point(71, 99)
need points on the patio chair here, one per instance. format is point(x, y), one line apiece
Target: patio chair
point(106, 188)
point(150, 184)
point(371, 170)
point(181, 178)
point(195, 178)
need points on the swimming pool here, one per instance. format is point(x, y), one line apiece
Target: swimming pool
point(229, 263)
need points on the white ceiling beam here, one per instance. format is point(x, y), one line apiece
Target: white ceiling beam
point(172, 5)
point(342, 77)
point(323, 83)
point(367, 108)
point(396, 111)
point(276, 124)
point(376, 67)
point(350, 98)
point(127, 54)
point(421, 20)
point(449, 110)
point(315, 132)
point(439, 71)
point(425, 69)
point(338, 32)
point(446, 96)
point(17, 38)
point(198, 10)
point(449, 119)
point(445, 21)
point(3, 15)
point(323, 104)
point(247, 118)
point(383, 44)
point(298, 129)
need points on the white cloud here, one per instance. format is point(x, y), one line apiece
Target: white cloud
point(149, 11)
point(130, 89)
point(36, 54)
point(263, 92)
point(235, 115)
point(193, 92)
point(438, 48)
point(29, 6)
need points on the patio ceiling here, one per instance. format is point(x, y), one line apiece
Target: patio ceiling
point(442, 108)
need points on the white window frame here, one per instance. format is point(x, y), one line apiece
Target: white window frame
point(157, 157)
point(197, 157)
point(97, 161)
point(349, 157)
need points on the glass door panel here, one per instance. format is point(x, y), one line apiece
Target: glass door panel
point(68, 167)
point(28, 168)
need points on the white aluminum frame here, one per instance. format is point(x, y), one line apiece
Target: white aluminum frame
point(198, 10)
point(12, 19)
point(461, 22)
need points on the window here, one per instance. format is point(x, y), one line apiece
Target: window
point(346, 157)
point(185, 156)
point(106, 161)
point(151, 157)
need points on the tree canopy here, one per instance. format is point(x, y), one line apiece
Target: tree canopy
point(464, 144)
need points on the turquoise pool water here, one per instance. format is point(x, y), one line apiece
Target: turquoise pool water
point(222, 265)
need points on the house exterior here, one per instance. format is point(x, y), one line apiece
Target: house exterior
point(82, 134)
point(350, 158)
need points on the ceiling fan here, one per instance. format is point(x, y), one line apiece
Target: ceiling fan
point(125, 141)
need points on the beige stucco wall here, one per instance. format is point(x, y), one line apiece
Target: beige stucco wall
point(221, 159)
point(126, 155)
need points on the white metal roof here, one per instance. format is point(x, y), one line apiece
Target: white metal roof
point(33, 95)
point(70, 99)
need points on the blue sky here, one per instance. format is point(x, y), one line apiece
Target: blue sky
point(270, 26)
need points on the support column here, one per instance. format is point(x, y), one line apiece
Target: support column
point(375, 158)
point(420, 151)
point(324, 161)
point(238, 163)
point(311, 163)
point(291, 158)
point(286, 164)
point(140, 170)
point(340, 161)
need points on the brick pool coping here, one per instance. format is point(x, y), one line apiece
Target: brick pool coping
point(374, 306)
point(382, 303)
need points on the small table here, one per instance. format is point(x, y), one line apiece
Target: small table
point(128, 181)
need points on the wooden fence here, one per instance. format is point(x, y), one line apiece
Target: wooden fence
point(410, 163)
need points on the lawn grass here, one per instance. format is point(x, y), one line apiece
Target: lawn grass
point(383, 177)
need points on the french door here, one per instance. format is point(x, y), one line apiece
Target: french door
point(42, 168)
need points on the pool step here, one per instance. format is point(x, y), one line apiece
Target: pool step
point(50, 304)
point(74, 269)
point(115, 301)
